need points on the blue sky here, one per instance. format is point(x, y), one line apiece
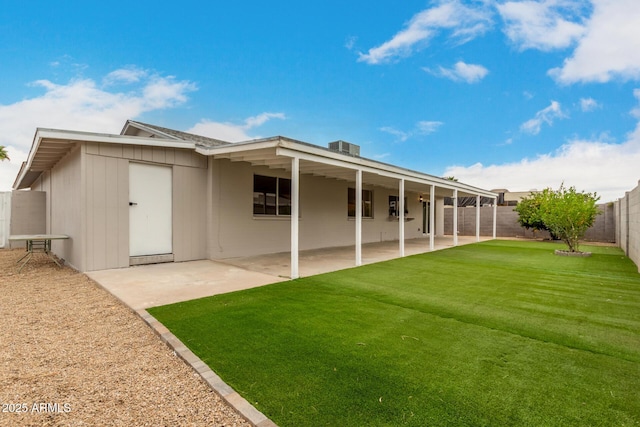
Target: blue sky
point(500, 94)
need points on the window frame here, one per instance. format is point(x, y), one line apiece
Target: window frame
point(367, 203)
point(278, 196)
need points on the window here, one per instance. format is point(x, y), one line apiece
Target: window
point(367, 203)
point(394, 206)
point(271, 195)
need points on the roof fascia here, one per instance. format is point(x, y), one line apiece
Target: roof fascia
point(292, 148)
point(370, 166)
point(153, 131)
point(237, 147)
point(78, 136)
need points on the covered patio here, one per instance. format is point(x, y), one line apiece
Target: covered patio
point(298, 158)
point(152, 285)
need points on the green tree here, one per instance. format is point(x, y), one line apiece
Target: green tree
point(568, 214)
point(529, 215)
point(3, 153)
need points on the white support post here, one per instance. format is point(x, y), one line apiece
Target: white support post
point(432, 218)
point(295, 213)
point(358, 217)
point(401, 215)
point(455, 217)
point(495, 216)
point(477, 218)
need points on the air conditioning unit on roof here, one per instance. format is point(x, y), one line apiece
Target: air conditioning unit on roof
point(345, 148)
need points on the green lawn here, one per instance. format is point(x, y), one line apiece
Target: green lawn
point(497, 333)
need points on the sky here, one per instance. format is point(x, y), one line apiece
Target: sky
point(517, 95)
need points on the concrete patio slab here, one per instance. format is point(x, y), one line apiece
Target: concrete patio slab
point(141, 287)
point(318, 261)
point(152, 285)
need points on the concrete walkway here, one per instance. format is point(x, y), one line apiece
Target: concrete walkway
point(152, 285)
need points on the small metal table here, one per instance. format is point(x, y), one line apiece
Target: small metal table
point(37, 243)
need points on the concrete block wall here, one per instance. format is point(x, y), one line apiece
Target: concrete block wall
point(28, 214)
point(628, 229)
point(604, 229)
point(5, 218)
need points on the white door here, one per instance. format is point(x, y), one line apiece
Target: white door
point(150, 203)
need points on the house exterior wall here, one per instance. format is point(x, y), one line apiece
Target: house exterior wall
point(107, 201)
point(189, 213)
point(87, 198)
point(324, 222)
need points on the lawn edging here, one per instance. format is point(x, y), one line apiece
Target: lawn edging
point(578, 254)
point(222, 389)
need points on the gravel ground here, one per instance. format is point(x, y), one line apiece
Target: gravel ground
point(71, 354)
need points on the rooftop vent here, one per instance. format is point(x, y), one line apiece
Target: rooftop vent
point(345, 148)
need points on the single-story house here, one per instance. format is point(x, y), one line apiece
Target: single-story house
point(153, 194)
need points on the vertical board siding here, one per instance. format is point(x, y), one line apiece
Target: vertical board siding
point(189, 213)
point(106, 207)
point(107, 202)
point(64, 206)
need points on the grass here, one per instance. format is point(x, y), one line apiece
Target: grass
point(496, 333)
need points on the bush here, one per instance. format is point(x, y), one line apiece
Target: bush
point(566, 213)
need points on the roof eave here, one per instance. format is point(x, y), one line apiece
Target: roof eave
point(73, 137)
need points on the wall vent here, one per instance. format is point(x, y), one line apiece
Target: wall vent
point(345, 148)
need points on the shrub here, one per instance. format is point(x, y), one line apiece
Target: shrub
point(566, 213)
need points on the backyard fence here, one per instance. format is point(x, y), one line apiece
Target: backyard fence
point(5, 218)
point(604, 229)
point(628, 224)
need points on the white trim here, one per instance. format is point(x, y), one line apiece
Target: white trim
point(67, 137)
point(77, 136)
point(477, 218)
point(455, 217)
point(432, 217)
point(320, 155)
point(495, 216)
point(401, 216)
point(358, 217)
point(295, 210)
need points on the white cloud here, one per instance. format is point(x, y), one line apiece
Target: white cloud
point(601, 166)
point(465, 22)
point(81, 104)
point(427, 127)
point(469, 73)
point(546, 115)
point(233, 132)
point(424, 127)
point(400, 135)
point(609, 49)
point(544, 25)
point(125, 75)
point(606, 168)
point(350, 42)
point(589, 104)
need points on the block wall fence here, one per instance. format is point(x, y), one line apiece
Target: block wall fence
point(628, 224)
point(604, 229)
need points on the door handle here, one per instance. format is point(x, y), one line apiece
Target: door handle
point(133, 204)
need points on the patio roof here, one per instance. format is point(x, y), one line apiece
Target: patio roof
point(277, 152)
